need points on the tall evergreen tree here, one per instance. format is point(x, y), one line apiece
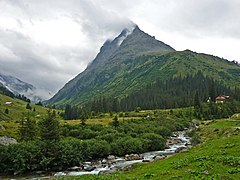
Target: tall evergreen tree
point(197, 101)
point(28, 128)
point(212, 90)
point(83, 117)
point(49, 127)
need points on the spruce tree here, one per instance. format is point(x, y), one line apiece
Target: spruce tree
point(6, 111)
point(83, 117)
point(49, 127)
point(28, 128)
point(28, 106)
point(197, 106)
point(197, 101)
point(212, 90)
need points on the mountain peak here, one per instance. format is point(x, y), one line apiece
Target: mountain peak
point(137, 29)
point(131, 43)
point(138, 42)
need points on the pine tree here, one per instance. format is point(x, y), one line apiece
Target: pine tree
point(83, 117)
point(197, 101)
point(212, 90)
point(6, 111)
point(49, 127)
point(28, 128)
point(67, 111)
point(28, 106)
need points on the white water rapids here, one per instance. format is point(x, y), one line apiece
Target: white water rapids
point(147, 157)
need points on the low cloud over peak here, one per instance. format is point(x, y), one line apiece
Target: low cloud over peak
point(47, 43)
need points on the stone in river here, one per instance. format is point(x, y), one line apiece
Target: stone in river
point(89, 168)
point(132, 157)
point(75, 168)
point(179, 149)
point(159, 157)
point(111, 157)
point(146, 160)
point(59, 174)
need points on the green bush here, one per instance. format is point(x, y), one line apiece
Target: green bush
point(97, 148)
point(128, 145)
point(20, 158)
point(154, 141)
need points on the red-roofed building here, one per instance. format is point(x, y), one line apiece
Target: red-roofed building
point(222, 99)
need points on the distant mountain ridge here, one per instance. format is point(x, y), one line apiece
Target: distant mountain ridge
point(17, 86)
point(135, 59)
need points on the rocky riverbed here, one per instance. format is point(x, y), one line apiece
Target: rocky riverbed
point(178, 142)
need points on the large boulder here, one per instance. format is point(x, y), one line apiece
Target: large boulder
point(5, 140)
point(111, 157)
point(132, 157)
point(104, 162)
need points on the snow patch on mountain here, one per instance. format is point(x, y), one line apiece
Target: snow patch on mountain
point(125, 34)
point(17, 87)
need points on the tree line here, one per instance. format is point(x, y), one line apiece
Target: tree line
point(173, 93)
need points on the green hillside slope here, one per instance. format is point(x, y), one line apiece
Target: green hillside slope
point(11, 119)
point(140, 60)
point(134, 75)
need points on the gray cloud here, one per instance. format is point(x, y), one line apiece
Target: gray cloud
point(48, 42)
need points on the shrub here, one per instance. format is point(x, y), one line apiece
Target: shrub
point(128, 145)
point(154, 141)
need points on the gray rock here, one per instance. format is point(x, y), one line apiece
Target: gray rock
point(75, 168)
point(146, 160)
point(132, 157)
point(89, 168)
point(179, 149)
point(111, 157)
point(159, 157)
point(59, 174)
point(173, 141)
point(104, 161)
point(2, 128)
point(5, 140)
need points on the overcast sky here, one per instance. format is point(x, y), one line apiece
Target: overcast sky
point(48, 42)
